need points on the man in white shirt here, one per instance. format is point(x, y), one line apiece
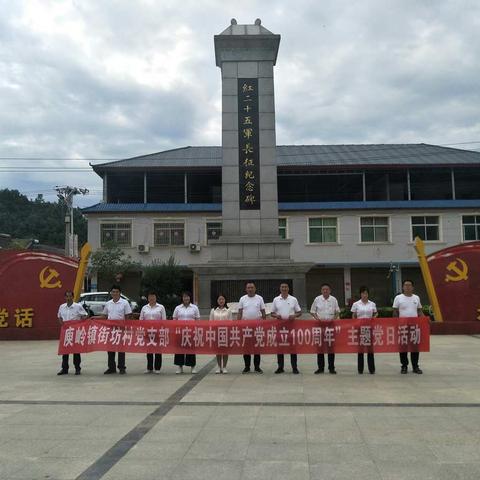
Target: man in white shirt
point(325, 307)
point(286, 307)
point(116, 309)
point(407, 304)
point(153, 311)
point(67, 312)
point(251, 307)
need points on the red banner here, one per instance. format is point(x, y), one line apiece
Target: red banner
point(455, 274)
point(377, 335)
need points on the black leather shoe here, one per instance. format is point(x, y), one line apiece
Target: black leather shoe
point(332, 371)
point(109, 372)
point(258, 370)
point(295, 371)
point(63, 372)
point(246, 370)
point(78, 372)
point(417, 370)
point(122, 371)
point(404, 370)
point(372, 372)
point(279, 370)
point(319, 371)
point(360, 372)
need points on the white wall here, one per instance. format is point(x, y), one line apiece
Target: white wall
point(349, 250)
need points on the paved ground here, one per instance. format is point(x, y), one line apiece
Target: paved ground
point(383, 426)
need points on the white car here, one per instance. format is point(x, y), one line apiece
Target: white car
point(95, 301)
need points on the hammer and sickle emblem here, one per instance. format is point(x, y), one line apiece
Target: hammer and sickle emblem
point(460, 268)
point(47, 279)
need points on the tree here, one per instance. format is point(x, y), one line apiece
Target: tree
point(165, 279)
point(112, 260)
point(45, 221)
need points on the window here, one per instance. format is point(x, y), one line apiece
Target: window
point(169, 233)
point(374, 229)
point(214, 230)
point(471, 227)
point(116, 233)
point(322, 230)
point(282, 227)
point(431, 184)
point(427, 228)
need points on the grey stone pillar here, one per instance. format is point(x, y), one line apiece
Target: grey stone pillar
point(250, 246)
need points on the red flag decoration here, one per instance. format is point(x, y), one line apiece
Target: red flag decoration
point(32, 288)
point(455, 288)
point(377, 335)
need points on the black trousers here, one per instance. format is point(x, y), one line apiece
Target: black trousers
point(248, 361)
point(370, 362)
point(414, 356)
point(189, 360)
point(321, 361)
point(281, 360)
point(158, 361)
point(76, 361)
point(121, 361)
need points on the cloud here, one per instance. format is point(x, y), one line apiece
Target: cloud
point(114, 79)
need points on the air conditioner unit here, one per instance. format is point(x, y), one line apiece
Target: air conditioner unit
point(143, 248)
point(195, 247)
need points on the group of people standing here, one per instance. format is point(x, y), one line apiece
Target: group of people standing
point(250, 307)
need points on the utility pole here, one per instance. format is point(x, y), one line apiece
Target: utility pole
point(66, 194)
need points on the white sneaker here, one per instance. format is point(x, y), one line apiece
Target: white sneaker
point(194, 370)
point(147, 371)
point(218, 370)
point(225, 370)
point(157, 372)
point(179, 370)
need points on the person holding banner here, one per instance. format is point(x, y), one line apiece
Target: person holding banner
point(365, 308)
point(66, 312)
point(186, 311)
point(251, 307)
point(407, 304)
point(286, 307)
point(153, 311)
point(221, 312)
point(116, 309)
point(325, 307)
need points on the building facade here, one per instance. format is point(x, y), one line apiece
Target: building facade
point(249, 209)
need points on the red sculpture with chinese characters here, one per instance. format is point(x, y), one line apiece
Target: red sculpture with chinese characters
point(32, 286)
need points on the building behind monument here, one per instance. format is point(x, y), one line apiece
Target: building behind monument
point(342, 214)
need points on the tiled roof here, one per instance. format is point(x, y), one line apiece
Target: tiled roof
point(308, 155)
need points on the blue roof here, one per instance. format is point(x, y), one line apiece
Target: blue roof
point(283, 206)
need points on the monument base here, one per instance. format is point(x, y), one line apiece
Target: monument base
point(229, 278)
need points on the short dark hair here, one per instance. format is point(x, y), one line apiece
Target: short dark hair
point(249, 281)
point(115, 286)
point(220, 294)
point(325, 285)
point(187, 293)
point(363, 288)
point(68, 291)
point(407, 280)
point(151, 292)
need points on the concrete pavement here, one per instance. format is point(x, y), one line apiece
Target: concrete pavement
point(385, 426)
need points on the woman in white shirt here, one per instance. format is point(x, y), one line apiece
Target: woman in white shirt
point(186, 311)
point(153, 311)
point(365, 308)
point(221, 312)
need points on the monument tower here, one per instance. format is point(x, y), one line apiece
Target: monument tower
point(250, 246)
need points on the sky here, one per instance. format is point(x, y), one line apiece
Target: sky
point(89, 81)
